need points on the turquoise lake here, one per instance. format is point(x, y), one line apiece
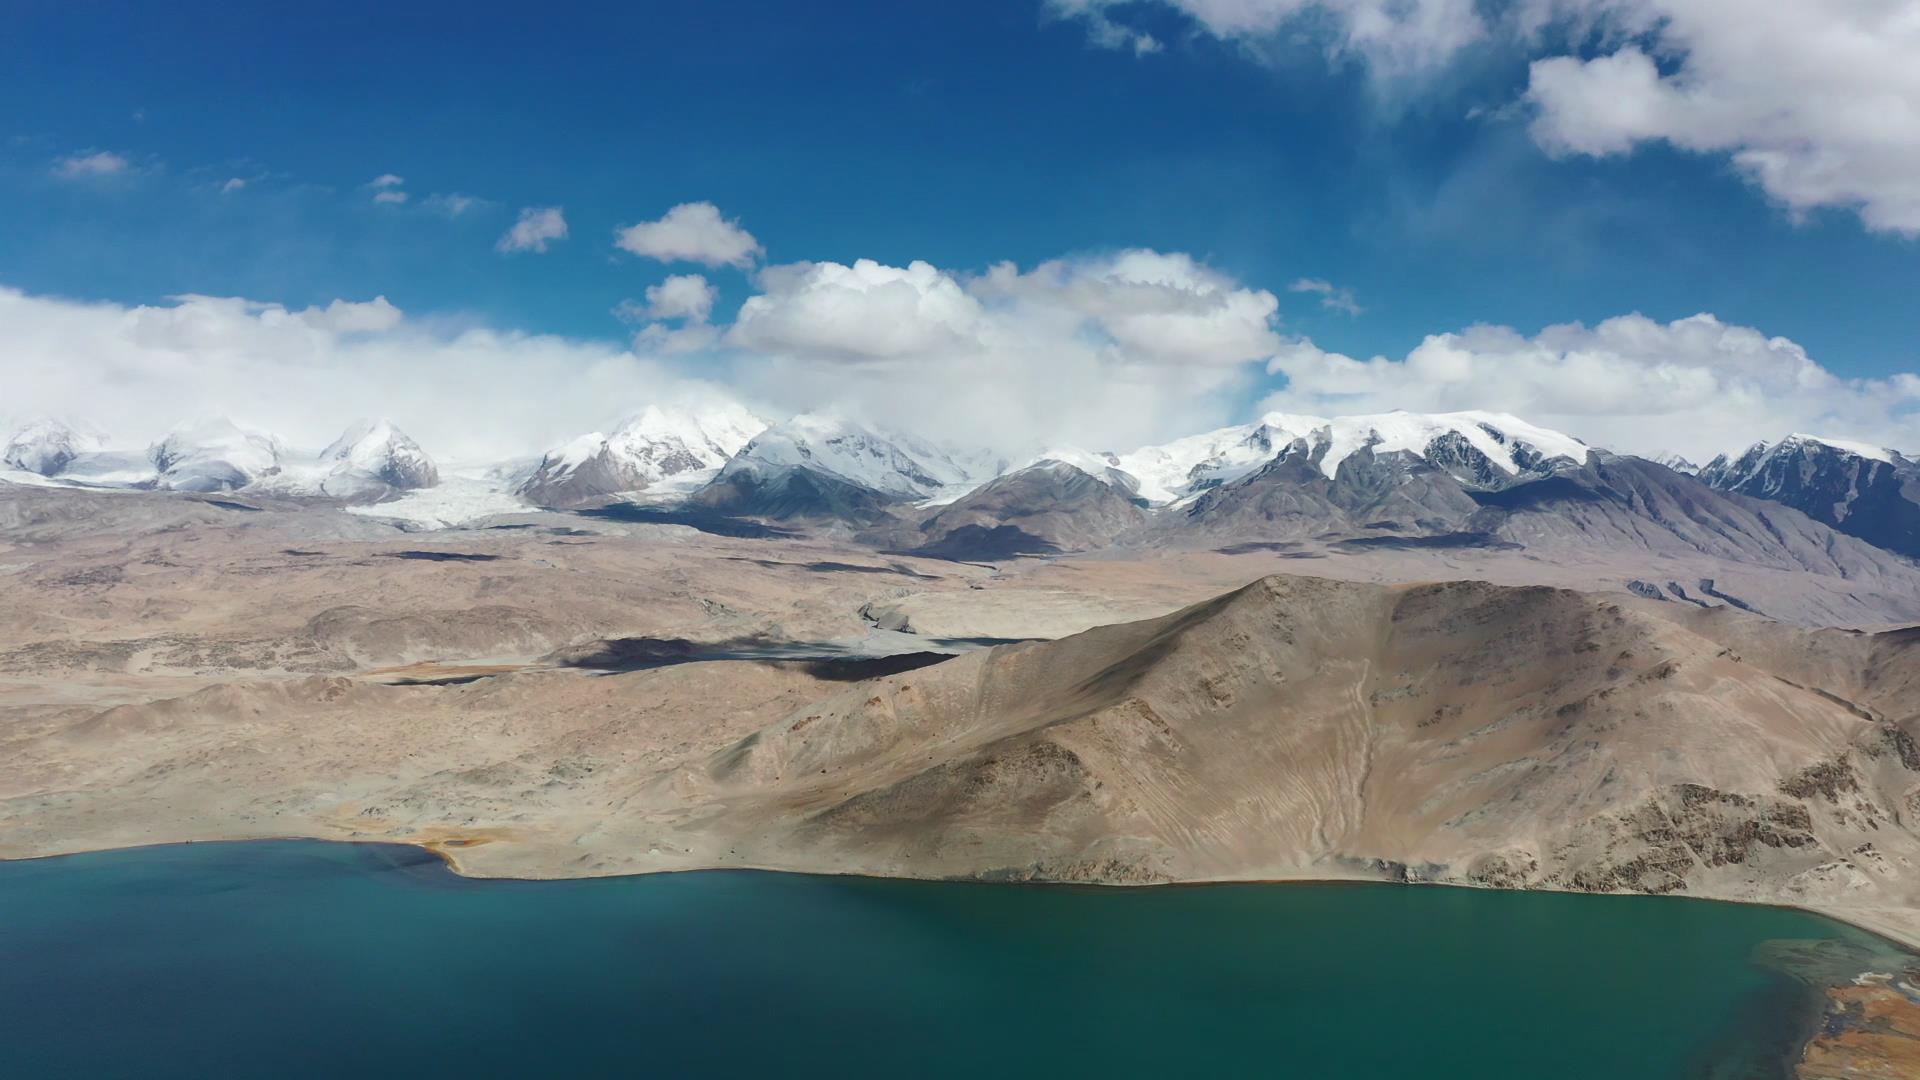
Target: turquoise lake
point(303, 959)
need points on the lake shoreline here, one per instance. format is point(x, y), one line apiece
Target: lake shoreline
point(1905, 939)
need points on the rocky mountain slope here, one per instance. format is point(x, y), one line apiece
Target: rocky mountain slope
point(1044, 508)
point(1861, 490)
point(1296, 728)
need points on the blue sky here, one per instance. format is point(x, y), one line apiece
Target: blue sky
point(962, 135)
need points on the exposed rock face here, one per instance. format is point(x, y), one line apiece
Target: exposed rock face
point(1047, 507)
point(1395, 493)
point(795, 493)
point(1862, 491)
point(1610, 504)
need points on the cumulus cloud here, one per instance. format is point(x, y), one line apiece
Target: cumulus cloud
point(538, 227)
point(1103, 351)
point(1331, 297)
point(350, 316)
point(464, 392)
point(867, 311)
point(1815, 101)
point(676, 313)
point(90, 165)
point(681, 296)
point(691, 232)
point(233, 184)
point(1695, 386)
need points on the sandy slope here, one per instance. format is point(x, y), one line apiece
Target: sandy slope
point(171, 673)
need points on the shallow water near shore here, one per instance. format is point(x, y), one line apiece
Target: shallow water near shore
point(306, 959)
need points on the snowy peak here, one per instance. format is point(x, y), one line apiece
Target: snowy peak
point(375, 452)
point(1678, 463)
point(650, 447)
point(214, 455)
point(48, 446)
point(1846, 446)
point(1767, 466)
point(1104, 467)
point(1176, 470)
point(1860, 489)
point(1462, 443)
point(894, 464)
point(1481, 449)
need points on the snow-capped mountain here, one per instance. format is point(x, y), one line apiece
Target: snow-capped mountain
point(372, 459)
point(893, 463)
point(378, 451)
point(1481, 449)
point(653, 446)
point(47, 447)
point(1866, 491)
point(214, 455)
point(816, 465)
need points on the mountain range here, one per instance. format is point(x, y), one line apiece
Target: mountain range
point(1393, 480)
point(370, 461)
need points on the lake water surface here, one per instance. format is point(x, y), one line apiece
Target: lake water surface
point(304, 959)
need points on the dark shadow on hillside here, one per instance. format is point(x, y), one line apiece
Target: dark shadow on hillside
point(707, 521)
point(975, 542)
point(1441, 542)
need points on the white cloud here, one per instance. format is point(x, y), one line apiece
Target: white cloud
point(1396, 38)
point(387, 189)
point(1816, 101)
point(465, 392)
point(538, 227)
point(232, 185)
point(95, 164)
point(691, 232)
point(867, 311)
point(1696, 386)
point(681, 296)
point(453, 204)
point(1105, 351)
point(1331, 297)
point(353, 317)
point(663, 339)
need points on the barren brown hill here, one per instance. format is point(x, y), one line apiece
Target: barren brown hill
point(1296, 728)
